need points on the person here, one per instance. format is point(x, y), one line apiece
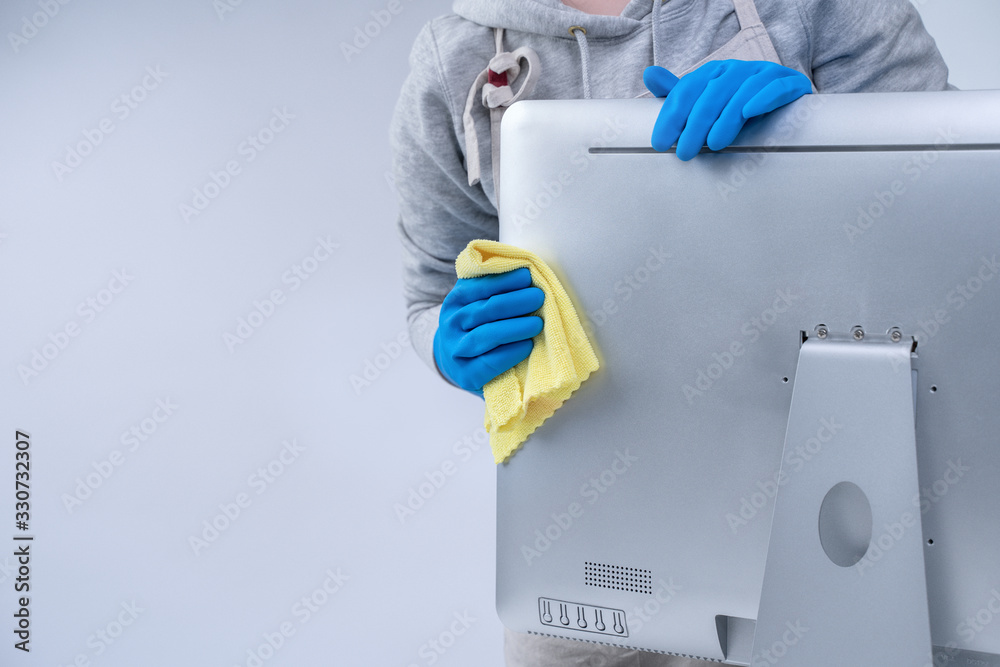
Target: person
point(733, 59)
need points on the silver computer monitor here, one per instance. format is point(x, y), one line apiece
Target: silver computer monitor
point(646, 501)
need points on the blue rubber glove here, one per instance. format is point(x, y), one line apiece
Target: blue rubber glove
point(711, 104)
point(486, 327)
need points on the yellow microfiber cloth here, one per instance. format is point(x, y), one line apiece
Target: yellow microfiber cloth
point(520, 399)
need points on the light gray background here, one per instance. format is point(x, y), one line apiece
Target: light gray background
point(366, 448)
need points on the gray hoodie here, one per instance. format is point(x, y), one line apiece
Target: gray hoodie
point(841, 45)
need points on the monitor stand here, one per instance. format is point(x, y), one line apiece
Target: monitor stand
point(844, 581)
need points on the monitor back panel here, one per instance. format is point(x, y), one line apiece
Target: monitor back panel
point(639, 514)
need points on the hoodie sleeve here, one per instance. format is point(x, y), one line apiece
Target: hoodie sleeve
point(439, 213)
point(871, 46)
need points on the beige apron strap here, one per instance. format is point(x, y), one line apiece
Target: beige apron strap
point(478, 92)
point(469, 128)
point(493, 88)
point(496, 115)
point(497, 98)
point(751, 43)
point(746, 12)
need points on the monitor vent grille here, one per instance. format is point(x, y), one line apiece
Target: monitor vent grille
point(618, 577)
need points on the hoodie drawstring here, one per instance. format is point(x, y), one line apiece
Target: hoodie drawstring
point(655, 21)
point(497, 94)
point(494, 81)
point(581, 40)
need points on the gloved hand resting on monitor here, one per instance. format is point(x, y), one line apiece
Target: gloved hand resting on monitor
point(486, 327)
point(711, 104)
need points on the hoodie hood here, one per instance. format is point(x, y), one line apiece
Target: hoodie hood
point(552, 18)
point(844, 46)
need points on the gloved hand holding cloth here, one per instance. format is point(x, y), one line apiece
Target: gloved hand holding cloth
point(521, 398)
